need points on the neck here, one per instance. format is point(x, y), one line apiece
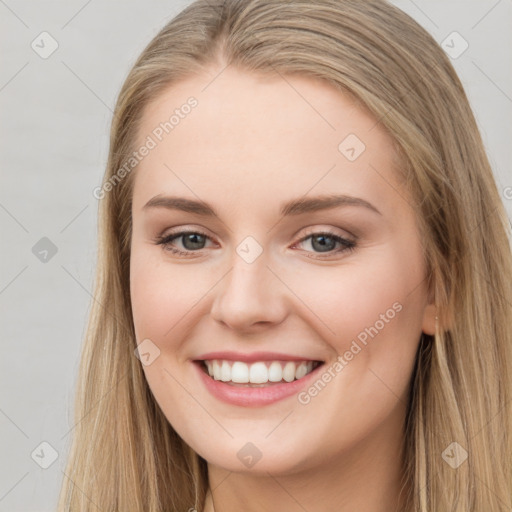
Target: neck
point(366, 478)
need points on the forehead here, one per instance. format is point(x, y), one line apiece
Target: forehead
point(249, 137)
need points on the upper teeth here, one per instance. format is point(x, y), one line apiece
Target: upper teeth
point(259, 372)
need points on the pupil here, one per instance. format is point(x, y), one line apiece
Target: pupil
point(322, 246)
point(193, 237)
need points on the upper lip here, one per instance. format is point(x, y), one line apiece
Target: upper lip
point(253, 356)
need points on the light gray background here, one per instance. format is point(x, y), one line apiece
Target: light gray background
point(54, 140)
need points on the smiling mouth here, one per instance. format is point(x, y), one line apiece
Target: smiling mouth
point(257, 374)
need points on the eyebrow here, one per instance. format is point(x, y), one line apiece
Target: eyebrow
point(292, 207)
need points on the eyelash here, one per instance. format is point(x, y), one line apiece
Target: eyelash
point(165, 241)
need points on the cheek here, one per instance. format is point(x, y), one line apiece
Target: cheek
point(364, 291)
point(161, 295)
point(377, 319)
point(371, 315)
point(163, 298)
point(370, 312)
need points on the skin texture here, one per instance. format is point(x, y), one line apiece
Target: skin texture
point(249, 145)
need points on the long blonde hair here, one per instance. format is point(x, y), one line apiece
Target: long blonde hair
point(124, 453)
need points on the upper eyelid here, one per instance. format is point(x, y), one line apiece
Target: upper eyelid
point(309, 231)
point(313, 230)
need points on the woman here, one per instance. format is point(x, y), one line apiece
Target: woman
point(303, 297)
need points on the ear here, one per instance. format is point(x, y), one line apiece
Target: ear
point(444, 313)
point(429, 319)
point(444, 320)
point(428, 325)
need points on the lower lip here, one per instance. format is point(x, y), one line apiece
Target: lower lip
point(253, 397)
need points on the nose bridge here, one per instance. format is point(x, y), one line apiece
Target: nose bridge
point(249, 293)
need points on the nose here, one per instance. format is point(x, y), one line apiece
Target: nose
point(249, 297)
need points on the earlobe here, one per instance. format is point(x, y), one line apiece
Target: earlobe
point(433, 317)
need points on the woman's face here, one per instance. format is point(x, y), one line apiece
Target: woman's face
point(274, 276)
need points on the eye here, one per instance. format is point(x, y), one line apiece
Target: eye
point(192, 241)
point(326, 241)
